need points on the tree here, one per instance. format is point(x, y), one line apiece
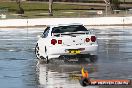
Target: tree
point(20, 9)
point(50, 7)
point(107, 2)
point(106, 8)
point(115, 4)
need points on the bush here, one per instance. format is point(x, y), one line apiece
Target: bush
point(115, 4)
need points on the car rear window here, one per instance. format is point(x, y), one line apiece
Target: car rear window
point(71, 28)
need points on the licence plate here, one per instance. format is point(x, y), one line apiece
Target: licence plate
point(74, 51)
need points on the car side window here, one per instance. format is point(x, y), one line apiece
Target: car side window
point(46, 31)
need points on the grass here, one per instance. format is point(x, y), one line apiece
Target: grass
point(33, 6)
point(39, 9)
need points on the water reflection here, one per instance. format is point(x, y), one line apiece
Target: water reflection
point(64, 75)
point(115, 53)
point(110, 44)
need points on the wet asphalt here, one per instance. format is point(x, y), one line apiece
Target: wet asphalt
point(19, 67)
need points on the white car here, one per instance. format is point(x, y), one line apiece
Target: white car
point(60, 40)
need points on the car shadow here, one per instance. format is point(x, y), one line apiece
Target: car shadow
point(75, 59)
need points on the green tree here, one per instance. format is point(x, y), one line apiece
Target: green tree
point(115, 4)
point(20, 9)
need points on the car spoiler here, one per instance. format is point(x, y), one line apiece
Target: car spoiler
point(71, 33)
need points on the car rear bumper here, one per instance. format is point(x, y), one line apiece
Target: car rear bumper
point(55, 52)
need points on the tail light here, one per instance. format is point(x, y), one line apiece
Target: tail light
point(93, 38)
point(59, 41)
point(87, 39)
point(53, 41)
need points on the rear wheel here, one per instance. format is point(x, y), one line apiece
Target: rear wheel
point(37, 52)
point(45, 60)
point(93, 58)
point(41, 58)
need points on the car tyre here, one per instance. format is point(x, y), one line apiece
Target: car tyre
point(37, 52)
point(93, 58)
point(41, 58)
point(47, 60)
point(44, 59)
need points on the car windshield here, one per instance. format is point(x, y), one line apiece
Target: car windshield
point(71, 28)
